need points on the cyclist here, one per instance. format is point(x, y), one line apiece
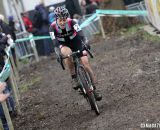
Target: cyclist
point(68, 36)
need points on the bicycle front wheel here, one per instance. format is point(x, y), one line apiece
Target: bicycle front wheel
point(86, 84)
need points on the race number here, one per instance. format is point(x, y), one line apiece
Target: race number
point(77, 27)
point(52, 35)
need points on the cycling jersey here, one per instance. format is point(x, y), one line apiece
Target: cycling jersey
point(68, 33)
point(71, 36)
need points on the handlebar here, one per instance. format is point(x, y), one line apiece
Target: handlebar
point(60, 58)
point(78, 52)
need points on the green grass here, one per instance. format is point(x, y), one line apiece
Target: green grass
point(25, 61)
point(24, 87)
point(149, 37)
point(138, 30)
point(133, 30)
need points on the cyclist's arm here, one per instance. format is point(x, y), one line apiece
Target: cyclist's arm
point(53, 37)
point(77, 28)
point(55, 42)
point(80, 32)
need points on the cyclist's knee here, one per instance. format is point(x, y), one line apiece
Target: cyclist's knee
point(66, 51)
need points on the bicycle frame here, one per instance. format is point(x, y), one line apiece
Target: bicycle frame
point(84, 79)
point(78, 64)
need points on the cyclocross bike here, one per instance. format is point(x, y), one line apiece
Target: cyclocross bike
point(84, 78)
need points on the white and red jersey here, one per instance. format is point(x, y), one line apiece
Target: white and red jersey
point(68, 33)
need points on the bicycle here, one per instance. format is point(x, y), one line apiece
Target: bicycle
point(86, 85)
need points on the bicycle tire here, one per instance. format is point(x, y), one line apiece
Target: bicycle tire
point(85, 81)
point(59, 58)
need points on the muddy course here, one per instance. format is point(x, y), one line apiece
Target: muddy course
point(128, 71)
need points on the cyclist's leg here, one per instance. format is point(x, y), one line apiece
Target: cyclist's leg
point(70, 65)
point(68, 62)
point(85, 62)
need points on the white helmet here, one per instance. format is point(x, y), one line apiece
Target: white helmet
point(51, 9)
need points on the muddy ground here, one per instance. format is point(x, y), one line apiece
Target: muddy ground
point(128, 71)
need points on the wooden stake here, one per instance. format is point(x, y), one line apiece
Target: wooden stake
point(7, 116)
point(101, 27)
point(1, 125)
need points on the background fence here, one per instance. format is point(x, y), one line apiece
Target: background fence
point(93, 27)
point(141, 7)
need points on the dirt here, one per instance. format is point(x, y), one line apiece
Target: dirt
point(128, 71)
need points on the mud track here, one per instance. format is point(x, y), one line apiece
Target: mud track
point(128, 70)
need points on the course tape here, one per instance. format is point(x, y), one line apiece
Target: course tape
point(123, 12)
point(6, 69)
point(34, 38)
point(119, 13)
point(88, 21)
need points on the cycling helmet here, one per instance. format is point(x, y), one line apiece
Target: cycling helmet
point(61, 12)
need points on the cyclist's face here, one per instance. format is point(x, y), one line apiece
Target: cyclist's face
point(62, 22)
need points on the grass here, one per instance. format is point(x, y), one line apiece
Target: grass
point(25, 61)
point(149, 37)
point(138, 30)
point(24, 87)
point(133, 30)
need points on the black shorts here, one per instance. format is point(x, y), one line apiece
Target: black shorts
point(75, 44)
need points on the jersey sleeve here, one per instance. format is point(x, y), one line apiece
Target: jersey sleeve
point(53, 37)
point(52, 33)
point(76, 26)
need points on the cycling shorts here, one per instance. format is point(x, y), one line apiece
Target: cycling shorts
point(74, 44)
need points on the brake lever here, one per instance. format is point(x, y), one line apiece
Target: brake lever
point(86, 48)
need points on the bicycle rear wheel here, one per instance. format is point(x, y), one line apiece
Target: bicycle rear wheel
point(86, 83)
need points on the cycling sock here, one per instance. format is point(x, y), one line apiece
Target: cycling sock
point(74, 76)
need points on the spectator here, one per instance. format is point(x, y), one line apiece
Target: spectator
point(27, 22)
point(83, 6)
point(42, 12)
point(6, 28)
point(51, 16)
point(40, 20)
point(91, 8)
point(88, 2)
point(3, 45)
point(73, 7)
point(12, 26)
point(4, 91)
point(3, 96)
